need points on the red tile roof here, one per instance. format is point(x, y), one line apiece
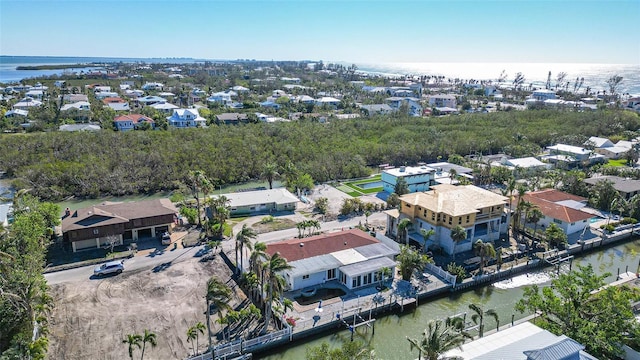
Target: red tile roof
point(297, 249)
point(136, 118)
point(547, 200)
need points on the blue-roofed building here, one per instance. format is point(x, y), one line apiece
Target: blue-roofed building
point(270, 105)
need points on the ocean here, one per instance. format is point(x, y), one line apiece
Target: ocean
point(595, 75)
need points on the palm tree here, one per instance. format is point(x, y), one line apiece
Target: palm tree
point(483, 250)
point(243, 239)
point(150, 338)
point(478, 317)
point(199, 183)
point(218, 295)
point(302, 225)
point(458, 234)
point(438, 338)
point(132, 340)
point(511, 187)
point(313, 225)
point(220, 210)
point(426, 234)
point(192, 334)
point(275, 282)
point(534, 216)
point(403, 230)
point(199, 328)
point(270, 172)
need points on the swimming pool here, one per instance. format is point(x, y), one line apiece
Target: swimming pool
point(370, 185)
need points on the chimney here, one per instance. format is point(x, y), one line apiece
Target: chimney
point(67, 212)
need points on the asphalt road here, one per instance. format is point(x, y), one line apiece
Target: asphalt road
point(137, 262)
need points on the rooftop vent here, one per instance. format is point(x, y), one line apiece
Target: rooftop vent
point(301, 244)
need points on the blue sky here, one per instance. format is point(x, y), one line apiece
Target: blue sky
point(525, 31)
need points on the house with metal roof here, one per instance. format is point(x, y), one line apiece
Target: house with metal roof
point(480, 212)
point(261, 201)
point(352, 257)
point(93, 227)
point(524, 341)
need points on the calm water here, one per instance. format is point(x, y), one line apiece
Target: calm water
point(390, 341)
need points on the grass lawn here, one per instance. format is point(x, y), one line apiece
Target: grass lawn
point(616, 163)
point(275, 225)
point(355, 185)
point(349, 190)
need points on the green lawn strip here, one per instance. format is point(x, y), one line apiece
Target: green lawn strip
point(349, 190)
point(364, 191)
point(616, 163)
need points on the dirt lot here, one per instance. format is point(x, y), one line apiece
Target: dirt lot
point(91, 318)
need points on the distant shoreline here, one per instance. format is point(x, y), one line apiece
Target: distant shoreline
point(54, 67)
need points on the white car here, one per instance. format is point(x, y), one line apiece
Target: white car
point(166, 239)
point(112, 267)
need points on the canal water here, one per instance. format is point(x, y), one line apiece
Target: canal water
point(391, 331)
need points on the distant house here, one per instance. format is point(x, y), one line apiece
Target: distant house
point(570, 155)
point(232, 118)
point(16, 113)
point(72, 98)
point(92, 227)
point(413, 105)
point(376, 109)
point(35, 94)
point(152, 86)
point(116, 103)
point(524, 341)
point(79, 127)
point(106, 94)
point(543, 94)
point(164, 107)
point(448, 101)
point(270, 105)
point(598, 142)
point(184, 118)
point(610, 150)
point(131, 121)
point(60, 83)
point(480, 212)
point(523, 165)
point(27, 103)
point(261, 201)
point(150, 100)
point(563, 209)
point(626, 187)
point(79, 105)
point(328, 101)
point(220, 98)
point(352, 258)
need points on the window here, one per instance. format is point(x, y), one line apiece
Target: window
point(557, 221)
point(305, 277)
point(468, 218)
point(331, 274)
point(96, 231)
point(433, 216)
point(407, 205)
point(460, 221)
point(367, 279)
point(377, 276)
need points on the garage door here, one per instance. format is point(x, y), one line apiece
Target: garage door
point(144, 234)
point(85, 244)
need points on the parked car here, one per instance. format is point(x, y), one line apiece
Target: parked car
point(166, 238)
point(112, 267)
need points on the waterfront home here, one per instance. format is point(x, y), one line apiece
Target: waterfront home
point(261, 202)
point(27, 103)
point(418, 178)
point(543, 94)
point(568, 211)
point(626, 187)
point(96, 226)
point(131, 121)
point(353, 258)
point(524, 341)
point(184, 118)
point(480, 212)
point(442, 101)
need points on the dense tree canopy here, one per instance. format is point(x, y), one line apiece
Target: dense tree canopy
point(57, 164)
point(600, 320)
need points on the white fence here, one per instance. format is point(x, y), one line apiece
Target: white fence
point(451, 279)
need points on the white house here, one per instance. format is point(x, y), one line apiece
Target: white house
point(150, 100)
point(220, 97)
point(164, 107)
point(106, 94)
point(184, 118)
point(417, 178)
point(27, 103)
point(375, 109)
point(352, 258)
point(261, 201)
point(35, 94)
point(448, 101)
point(543, 94)
point(80, 105)
point(16, 113)
point(328, 101)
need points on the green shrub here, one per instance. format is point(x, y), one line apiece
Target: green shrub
point(267, 219)
point(628, 220)
point(458, 271)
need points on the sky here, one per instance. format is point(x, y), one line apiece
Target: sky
point(526, 31)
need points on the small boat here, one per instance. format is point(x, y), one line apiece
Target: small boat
point(308, 293)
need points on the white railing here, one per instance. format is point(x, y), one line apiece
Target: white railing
point(451, 279)
point(264, 339)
